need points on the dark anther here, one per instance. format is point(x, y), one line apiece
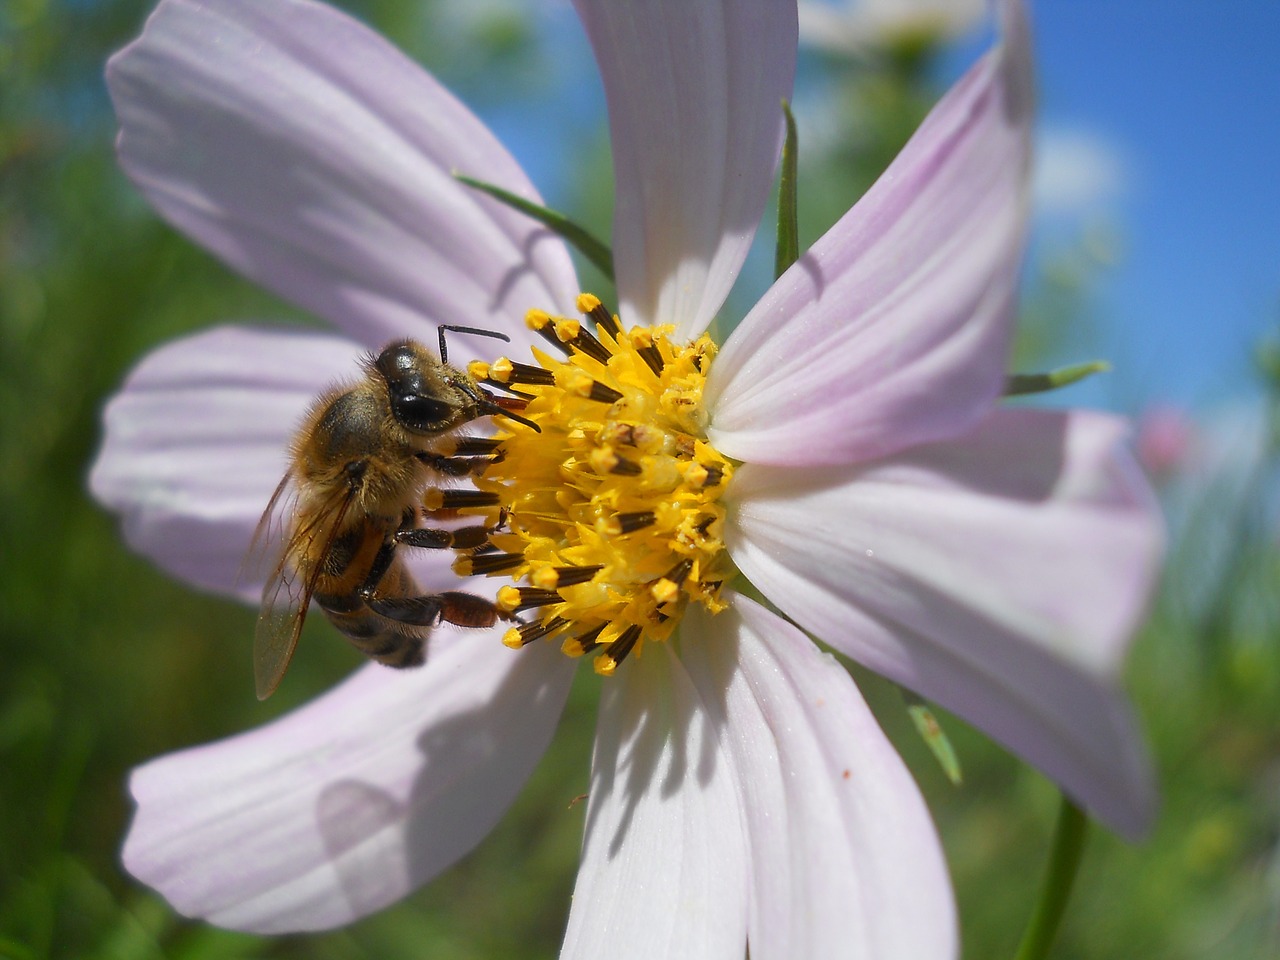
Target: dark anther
point(589, 345)
point(531, 597)
point(530, 632)
point(624, 467)
point(652, 357)
point(483, 564)
point(601, 393)
point(587, 641)
point(568, 576)
point(619, 648)
point(527, 373)
point(631, 522)
point(601, 315)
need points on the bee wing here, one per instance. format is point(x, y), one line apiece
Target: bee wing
point(282, 537)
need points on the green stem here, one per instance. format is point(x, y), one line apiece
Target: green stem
point(1064, 861)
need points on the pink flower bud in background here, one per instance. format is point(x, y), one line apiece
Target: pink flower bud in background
point(1166, 438)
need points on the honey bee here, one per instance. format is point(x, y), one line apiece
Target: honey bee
point(360, 467)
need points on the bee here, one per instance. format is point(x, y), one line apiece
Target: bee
point(360, 467)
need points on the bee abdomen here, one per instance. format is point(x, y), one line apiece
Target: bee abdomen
point(371, 634)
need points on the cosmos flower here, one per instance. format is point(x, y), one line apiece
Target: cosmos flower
point(845, 451)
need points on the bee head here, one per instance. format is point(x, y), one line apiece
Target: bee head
point(425, 394)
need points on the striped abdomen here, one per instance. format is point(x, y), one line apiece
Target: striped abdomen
point(395, 642)
point(392, 642)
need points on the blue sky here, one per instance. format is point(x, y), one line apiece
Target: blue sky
point(1186, 96)
point(1160, 119)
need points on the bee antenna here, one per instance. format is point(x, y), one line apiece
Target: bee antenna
point(454, 328)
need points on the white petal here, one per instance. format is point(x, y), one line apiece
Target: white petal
point(1001, 575)
point(312, 156)
point(197, 440)
point(347, 804)
point(664, 865)
point(695, 93)
point(893, 329)
point(845, 861)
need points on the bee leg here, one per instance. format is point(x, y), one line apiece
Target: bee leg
point(424, 538)
point(382, 560)
point(462, 609)
point(464, 538)
point(474, 538)
point(474, 446)
point(451, 606)
point(454, 466)
point(377, 570)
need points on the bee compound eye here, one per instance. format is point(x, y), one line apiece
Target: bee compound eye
point(396, 360)
point(421, 413)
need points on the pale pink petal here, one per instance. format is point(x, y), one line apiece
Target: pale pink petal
point(695, 95)
point(312, 156)
point(893, 329)
point(347, 804)
point(844, 858)
point(1001, 574)
point(197, 440)
point(664, 863)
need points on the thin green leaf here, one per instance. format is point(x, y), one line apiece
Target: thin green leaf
point(788, 250)
point(934, 737)
point(1020, 383)
point(588, 245)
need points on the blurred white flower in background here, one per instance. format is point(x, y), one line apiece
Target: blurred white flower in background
point(858, 26)
point(1078, 173)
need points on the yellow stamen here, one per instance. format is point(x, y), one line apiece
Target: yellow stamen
point(610, 515)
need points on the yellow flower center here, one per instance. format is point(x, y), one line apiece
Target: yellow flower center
point(608, 520)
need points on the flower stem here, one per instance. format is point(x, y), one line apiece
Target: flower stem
point(1064, 861)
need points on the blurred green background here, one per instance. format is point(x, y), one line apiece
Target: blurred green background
point(104, 662)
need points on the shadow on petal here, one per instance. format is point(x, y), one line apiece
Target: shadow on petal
point(651, 718)
point(509, 286)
